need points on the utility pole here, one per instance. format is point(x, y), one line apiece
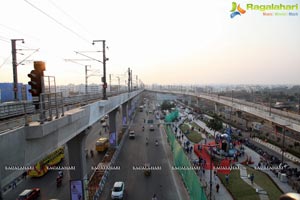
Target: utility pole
point(104, 68)
point(118, 83)
point(85, 70)
point(131, 80)
point(15, 65)
point(137, 83)
point(231, 106)
point(104, 72)
point(299, 103)
point(86, 79)
point(270, 99)
point(128, 79)
point(110, 82)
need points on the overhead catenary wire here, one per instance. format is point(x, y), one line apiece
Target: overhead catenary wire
point(4, 39)
point(36, 50)
point(58, 22)
point(72, 18)
point(4, 62)
point(19, 32)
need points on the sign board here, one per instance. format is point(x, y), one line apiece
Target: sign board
point(76, 190)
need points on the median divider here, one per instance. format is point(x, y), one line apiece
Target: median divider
point(184, 168)
point(111, 162)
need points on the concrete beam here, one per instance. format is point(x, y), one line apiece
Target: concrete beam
point(25, 146)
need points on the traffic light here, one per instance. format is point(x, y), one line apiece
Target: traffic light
point(36, 78)
point(104, 85)
point(35, 83)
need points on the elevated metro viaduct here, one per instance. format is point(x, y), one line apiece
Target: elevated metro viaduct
point(27, 145)
point(289, 122)
point(281, 118)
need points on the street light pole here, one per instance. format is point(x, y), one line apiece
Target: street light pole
point(299, 103)
point(231, 106)
point(15, 65)
point(270, 99)
point(211, 168)
point(118, 84)
point(283, 140)
point(131, 80)
point(210, 178)
point(104, 68)
point(86, 78)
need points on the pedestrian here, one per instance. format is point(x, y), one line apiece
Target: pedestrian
point(227, 179)
point(200, 160)
point(252, 178)
point(24, 175)
point(217, 187)
point(14, 184)
point(259, 165)
point(215, 175)
point(199, 147)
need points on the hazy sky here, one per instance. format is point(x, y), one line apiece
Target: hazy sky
point(162, 41)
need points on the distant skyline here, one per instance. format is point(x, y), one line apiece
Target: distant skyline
point(164, 42)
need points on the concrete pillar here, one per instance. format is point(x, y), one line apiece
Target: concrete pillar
point(198, 102)
point(113, 132)
point(77, 156)
point(130, 109)
point(216, 108)
point(125, 119)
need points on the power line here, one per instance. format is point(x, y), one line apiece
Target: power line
point(58, 22)
point(72, 18)
point(4, 40)
point(17, 31)
point(4, 62)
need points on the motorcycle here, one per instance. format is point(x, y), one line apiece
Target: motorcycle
point(58, 181)
point(156, 143)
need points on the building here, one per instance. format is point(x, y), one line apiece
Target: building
point(7, 93)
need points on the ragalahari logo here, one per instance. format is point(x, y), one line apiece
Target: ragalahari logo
point(236, 10)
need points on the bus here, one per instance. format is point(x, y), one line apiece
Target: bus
point(41, 167)
point(102, 144)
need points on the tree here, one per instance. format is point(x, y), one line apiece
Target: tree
point(167, 105)
point(215, 124)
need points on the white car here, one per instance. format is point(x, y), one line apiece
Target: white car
point(118, 190)
point(131, 134)
point(151, 127)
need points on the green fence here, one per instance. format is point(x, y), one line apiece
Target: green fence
point(183, 166)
